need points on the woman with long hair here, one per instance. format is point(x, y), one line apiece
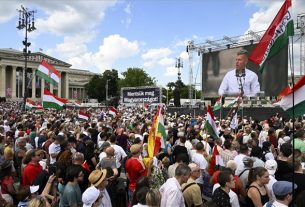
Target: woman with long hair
point(257, 193)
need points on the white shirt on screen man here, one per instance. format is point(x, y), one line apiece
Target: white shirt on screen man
point(230, 85)
point(240, 78)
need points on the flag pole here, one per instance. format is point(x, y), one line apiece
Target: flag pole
point(291, 63)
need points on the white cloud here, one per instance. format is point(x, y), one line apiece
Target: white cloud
point(153, 56)
point(8, 10)
point(171, 71)
point(114, 47)
point(126, 22)
point(167, 61)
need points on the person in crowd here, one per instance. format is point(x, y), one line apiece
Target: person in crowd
point(32, 168)
point(199, 159)
point(180, 146)
point(171, 189)
point(181, 158)
point(283, 166)
point(92, 197)
point(221, 194)
point(120, 154)
point(141, 197)
point(54, 148)
point(191, 190)
point(258, 194)
point(257, 155)
point(243, 152)
point(271, 166)
point(283, 194)
point(153, 198)
point(135, 168)
point(72, 195)
point(99, 179)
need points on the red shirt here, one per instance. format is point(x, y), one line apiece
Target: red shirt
point(30, 172)
point(135, 169)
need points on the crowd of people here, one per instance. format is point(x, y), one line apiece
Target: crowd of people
point(55, 159)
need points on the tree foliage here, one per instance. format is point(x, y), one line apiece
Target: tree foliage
point(96, 87)
point(135, 77)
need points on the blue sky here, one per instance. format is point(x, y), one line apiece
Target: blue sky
point(103, 34)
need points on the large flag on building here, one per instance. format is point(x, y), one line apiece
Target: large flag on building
point(299, 98)
point(48, 72)
point(157, 135)
point(30, 104)
point(51, 101)
point(218, 104)
point(210, 125)
point(275, 38)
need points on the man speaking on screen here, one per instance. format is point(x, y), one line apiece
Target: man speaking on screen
point(240, 81)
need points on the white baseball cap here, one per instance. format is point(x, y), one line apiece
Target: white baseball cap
point(271, 166)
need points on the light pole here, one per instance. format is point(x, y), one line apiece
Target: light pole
point(26, 21)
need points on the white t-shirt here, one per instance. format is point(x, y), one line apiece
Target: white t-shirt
point(119, 153)
point(54, 149)
point(202, 163)
point(239, 162)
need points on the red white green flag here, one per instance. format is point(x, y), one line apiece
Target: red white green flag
point(157, 135)
point(30, 104)
point(275, 38)
point(210, 125)
point(83, 116)
point(49, 100)
point(299, 99)
point(48, 72)
point(218, 104)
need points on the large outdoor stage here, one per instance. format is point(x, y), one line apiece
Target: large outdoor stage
point(258, 113)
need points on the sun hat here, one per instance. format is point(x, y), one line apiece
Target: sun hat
point(96, 177)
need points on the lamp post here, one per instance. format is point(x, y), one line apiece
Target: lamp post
point(26, 21)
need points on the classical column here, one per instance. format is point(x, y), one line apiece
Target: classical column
point(23, 82)
point(59, 89)
point(42, 86)
point(66, 94)
point(3, 80)
point(33, 78)
point(51, 87)
point(13, 81)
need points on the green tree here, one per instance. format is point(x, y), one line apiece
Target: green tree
point(94, 88)
point(97, 85)
point(135, 77)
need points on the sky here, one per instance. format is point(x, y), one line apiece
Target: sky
point(97, 35)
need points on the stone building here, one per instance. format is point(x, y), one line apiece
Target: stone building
point(12, 77)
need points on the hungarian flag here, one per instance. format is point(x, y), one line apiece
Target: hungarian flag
point(29, 104)
point(51, 101)
point(210, 125)
point(275, 38)
point(157, 135)
point(48, 72)
point(216, 161)
point(218, 104)
point(112, 111)
point(234, 103)
point(83, 116)
point(299, 98)
point(39, 110)
point(77, 103)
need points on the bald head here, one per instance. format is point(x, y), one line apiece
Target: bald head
point(109, 151)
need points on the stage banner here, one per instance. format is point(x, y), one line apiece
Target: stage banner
point(140, 95)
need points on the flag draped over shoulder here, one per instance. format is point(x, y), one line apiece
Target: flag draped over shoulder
point(210, 125)
point(299, 98)
point(218, 104)
point(48, 72)
point(49, 100)
point(275, 38)
point(30, 104)
point(157, 135)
